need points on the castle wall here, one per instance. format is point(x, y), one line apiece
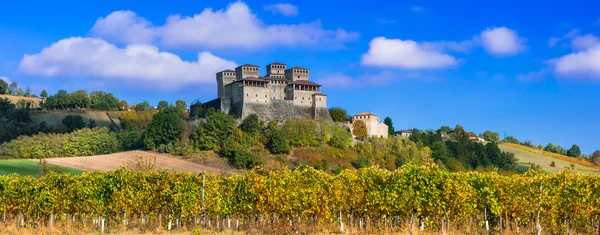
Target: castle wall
point(320, 101)
point(303, 98)
point(223, 79)
point(277, 90)
point(256, 94)
point(280, 110)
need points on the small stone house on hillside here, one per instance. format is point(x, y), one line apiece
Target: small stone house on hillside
point(403, 133)
point(375, 128)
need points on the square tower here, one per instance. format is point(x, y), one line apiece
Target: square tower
point(297, 73)
point(245, 71)
point(224, 78)
point(276, 70)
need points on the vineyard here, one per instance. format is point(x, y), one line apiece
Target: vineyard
point(366, 200)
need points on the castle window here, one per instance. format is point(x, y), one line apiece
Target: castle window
point(256, 95)
point(265, 96)
point(298, 76)
point(246, 94)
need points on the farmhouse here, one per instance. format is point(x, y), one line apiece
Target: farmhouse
point(281, 94)
point(375, 128)
point(403, 133)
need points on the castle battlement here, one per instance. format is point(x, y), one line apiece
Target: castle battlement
point(242, 88)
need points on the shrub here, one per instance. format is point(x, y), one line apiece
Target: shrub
point(340, 137)
point(251, 124)
point(130, 139)
point(244, 159)
point(278, 144)
point(166, 128)
point(212, 133)
point(82, 142)
point(73, 122)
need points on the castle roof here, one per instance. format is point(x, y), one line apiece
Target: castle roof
point(365, 114)
point(254, 79)
point(319, 93)
point(249, 65)
point(305, 82)
point(275, 78)
point(297, 67)
point(227, 70)
point(276, 63)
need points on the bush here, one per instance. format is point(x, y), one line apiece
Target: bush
point(73, 122)
point(84, 142)
point(251, 124)
point(166, 128)
point(244, 159)
point(212, 133)
point(278, 144)
point(340, 137)
point(130, 139)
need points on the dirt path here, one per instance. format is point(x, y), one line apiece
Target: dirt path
point(113, 161)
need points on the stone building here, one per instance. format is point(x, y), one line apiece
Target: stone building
point(279, 95)
point(375, 128)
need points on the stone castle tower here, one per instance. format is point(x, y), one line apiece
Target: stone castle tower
point(279, 95)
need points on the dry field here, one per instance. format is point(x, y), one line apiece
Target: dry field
point(113, 161)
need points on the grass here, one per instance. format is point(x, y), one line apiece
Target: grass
point(25, 167)
point(526, 158)
point(55, 118)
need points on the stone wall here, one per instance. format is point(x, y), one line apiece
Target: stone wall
point(280, 110)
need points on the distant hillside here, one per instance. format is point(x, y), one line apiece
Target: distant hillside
point(55, 118)
point(527, 156)
point(35, 102)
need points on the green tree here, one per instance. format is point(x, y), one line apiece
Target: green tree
point(73, 122)
point(574, 151)
point(180, 106)
point(12, 88)
point(212, 133)
point(340, 137)
point(277, 144)
point(142, 106)
point(511, 139)
point(550, 148)
point(80, 99)
point(460, 135)
point(491, 136)
point(338, 114)
point(251, 124)
point(162, 105)
point(3, 87)
point(44, 94)
point(359, 129)
point(445, 129)
point(388, 121)
point(165, 128)
point(595, 157)
point(104, 101)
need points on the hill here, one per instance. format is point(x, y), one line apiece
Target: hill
point(55, 118)
point(34, 102)
point(527, 156)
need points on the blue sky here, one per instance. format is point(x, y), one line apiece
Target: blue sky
point(530, 69)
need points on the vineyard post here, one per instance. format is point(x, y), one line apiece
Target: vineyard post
point(203, 211)
point(487, 226)
point(341, 222)
point(51, 220)
point(169, 226)
point(412, 218)
point(537, 220)
point(102, 229)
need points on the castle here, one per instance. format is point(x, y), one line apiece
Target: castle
point(279, 95)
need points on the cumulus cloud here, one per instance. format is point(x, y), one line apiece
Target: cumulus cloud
point(502, 41)
point(234, 27)
point(124, 26)
point(405, 54)
point(575, 40)
point(581, 64)
point(285, 9)
point(96, 58)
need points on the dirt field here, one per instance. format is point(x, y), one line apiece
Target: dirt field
point(55, 118)
point(113, 161)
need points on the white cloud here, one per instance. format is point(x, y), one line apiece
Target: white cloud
point(285, 9)
point(585, 42)
point(96, 58)
point(341, 80)
point(532, 76)
point(405, 54)
point(582, 64)
point(124, 26)
point(233, 27)
point(502, 41)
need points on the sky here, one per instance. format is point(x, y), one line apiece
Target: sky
point(530, 69)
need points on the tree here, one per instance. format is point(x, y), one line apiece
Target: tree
point(12, 88)
point(3, 87)
point(27, 92)
point(340, 137)
point(445, 129)
point(196, 109)
point(162, 105)
point(212, 133)
point(574, 151)
point(165, 128)
point(491, 136)
point(277, 143)
point(359, 129)
point(123, 105)
point(595, 157)
point(251, 124)
point(80, 99)
point(180, 106)
point(550, 148)
point(511, 139)
point(388, 121)
point(142, 106)
point(73, 122)
point(44, 94)
point(460, 135)
point(338, 114)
